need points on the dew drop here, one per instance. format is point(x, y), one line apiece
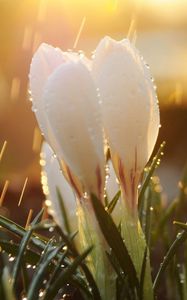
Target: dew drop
point(11, 259)
point(28, 266)
point(51, 229)
point(34, 109)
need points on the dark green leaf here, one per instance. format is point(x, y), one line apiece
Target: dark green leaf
point(181, 237)
point(142, 276)
point(22, 248)
point(11, 248)
point(41, 272)
point(88, 274)
point(115, 241)
point(65, 276)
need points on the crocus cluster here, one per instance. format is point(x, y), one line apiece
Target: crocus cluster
point(79, 101)
point(85, 106)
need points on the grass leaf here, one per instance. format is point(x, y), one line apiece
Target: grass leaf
point(145, 184)
point(41, 272)
point(115, 241)
point(113, 202)
point(181, 237)
point(22, 248)
point(65, 276)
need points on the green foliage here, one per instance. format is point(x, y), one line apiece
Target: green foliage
point(37, 264)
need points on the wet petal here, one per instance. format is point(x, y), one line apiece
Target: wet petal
point(129, 102)
point(52, 178)
point(73, 112)
point(45, 60)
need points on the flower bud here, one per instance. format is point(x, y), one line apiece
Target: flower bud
point(66, 105)
point(129, 109)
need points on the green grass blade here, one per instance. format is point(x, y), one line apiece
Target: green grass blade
point(88, 274)
point(46, 250)
point(30, 256)
point(57, 269)
point(17, 230)
point(183, 281)
point(7, 287)
point(142, 277)
point(181, 237)
point(145, 184)
point(115, 241)
point(22, 248)
point(181, 225)
point(40, 243)
point(113, 202)
point(182, 186)
point(164, 219)
point(40, 274)
point(65, 276)
point(148, 218)
point(25, 277)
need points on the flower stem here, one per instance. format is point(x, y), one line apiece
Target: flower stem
point(135, 242)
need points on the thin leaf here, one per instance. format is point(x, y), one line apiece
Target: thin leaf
point(167, 214)
point(40, 243)
point(142, 276)
point(65, 276)
point(22, 248)
point(88, 274)
point(178, 281)
point(183, 281)
point(57, 269)
point(46, 250)
point(16, 229)
point(145, 184)
point(40, 274)
point(115, 241)
point(113, 202)
point(7, 285)
point(181, 237)
point(181, 225)
point(148, 218)
point(12, 248)
point(25, 277)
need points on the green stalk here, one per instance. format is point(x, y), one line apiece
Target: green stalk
point(97, 261)
point(136, 244)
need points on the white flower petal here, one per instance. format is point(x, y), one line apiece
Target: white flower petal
point(44, 62)
point(52, 178)
point(73, 112)
point(129, 102)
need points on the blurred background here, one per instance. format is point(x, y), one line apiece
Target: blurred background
point(161, 27)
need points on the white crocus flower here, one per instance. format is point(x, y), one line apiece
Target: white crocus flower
point(129, 108)
point(66, 105)
point(68, 111)
point(131, 122)
point(44, 62)
point(53, 179)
